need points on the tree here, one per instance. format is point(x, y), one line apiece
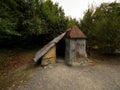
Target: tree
point(32, 20)
point(71, 22)
point(8, 19)
point(53, 17)
point(86, 24)
point(29, 20)
point(103, 27)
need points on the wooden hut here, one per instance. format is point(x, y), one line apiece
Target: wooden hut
point(75, 52)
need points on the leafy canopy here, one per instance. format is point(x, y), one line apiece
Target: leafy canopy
point(102, 27)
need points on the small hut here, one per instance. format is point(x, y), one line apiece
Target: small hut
point(75, 52)
point(75, 48)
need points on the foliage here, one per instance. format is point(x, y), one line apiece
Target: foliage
point(71, 22)
point(30, 20)
point(102, 27)
point(8, 20)
point(53, 17)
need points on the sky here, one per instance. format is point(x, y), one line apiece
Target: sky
point(77, 8)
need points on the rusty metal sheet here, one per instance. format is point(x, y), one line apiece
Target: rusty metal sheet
point(57, 39)
point(80, 49)
point(47, 47)
point(75, 50)
point(43, 51)
point(75, 32)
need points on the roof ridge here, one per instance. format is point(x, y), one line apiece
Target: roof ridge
point(75, 32)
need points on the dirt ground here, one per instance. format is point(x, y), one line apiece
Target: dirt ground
point(14, 65)
point(101, 74)
point(11, 60)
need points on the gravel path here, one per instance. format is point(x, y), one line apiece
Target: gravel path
point(62, 77)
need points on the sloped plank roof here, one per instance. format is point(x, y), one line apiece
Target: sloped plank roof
point(48, 46)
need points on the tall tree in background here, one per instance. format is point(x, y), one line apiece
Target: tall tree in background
point(53, 17)
point(8, 19)
point(71, 22)
point(87, 26)
point(30, 19)
point(103, 27)
point(26, 21)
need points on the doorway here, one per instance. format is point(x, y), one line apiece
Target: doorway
point(60, 50)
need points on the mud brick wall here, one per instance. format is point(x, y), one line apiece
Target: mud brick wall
point(49, 57)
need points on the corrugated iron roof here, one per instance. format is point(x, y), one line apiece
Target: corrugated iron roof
point(75, 32)
point(57, 39)
point(47, 47)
